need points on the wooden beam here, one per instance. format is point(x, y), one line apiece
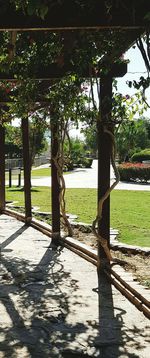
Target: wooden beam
point(70, 15)
point(104, 151)
point(54, 71)
point(2, 168)
point(55, 185)
point(27, 169)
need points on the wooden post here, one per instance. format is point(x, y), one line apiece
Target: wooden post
point(10, 177)
point(104, 150)
point(55, 185)
point(2, 168)
point(27, 171)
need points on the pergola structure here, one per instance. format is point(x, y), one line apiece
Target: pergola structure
point(128, 18)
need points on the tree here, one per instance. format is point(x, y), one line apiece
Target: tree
point(38, 142)
point(90, 134)
point(37, 139)
point(131, 137)
point(127, 128)
point(13, 143)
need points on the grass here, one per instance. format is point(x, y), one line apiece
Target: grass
point(35, 174)
point(42, 172)
point(129, 209)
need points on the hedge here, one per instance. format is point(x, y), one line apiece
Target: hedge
point(81, 163)
point(134, 172)
point(141, 156)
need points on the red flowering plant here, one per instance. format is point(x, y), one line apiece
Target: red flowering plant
point(138, 172)
point(134, 165)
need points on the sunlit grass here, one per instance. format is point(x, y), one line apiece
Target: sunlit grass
point(42, 172)
point(129, 209)
point(35, 174)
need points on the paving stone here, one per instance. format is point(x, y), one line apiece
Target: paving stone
point(51, 304)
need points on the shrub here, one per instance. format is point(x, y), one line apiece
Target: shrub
point(80, 163)
point(134, 172)
point(141, 156)
point(86, 162)
point(68, 166)
point(76, 156)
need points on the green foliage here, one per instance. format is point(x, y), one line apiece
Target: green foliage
point(12, 150)
point(32, 7)
point(68, 101)
point(141, 156)
point(37, 7)
point(13, 142)
point(38, 143)
point(134, 172)
point(78, 155)
point(77, 149)
point(131, 133)
point(90, 134)
point(86, 162)
point(132, 136)
point(37, 138)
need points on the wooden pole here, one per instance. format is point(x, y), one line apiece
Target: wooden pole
point(27, 169)
point(55, 185)
point(2, 168)
point(104, 150)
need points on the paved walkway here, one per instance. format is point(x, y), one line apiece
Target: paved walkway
point(87, 178)
point(84, 178)
point(50, 303)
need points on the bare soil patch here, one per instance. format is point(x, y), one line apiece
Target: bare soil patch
point(138, 264)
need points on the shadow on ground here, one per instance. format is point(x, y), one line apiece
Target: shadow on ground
point(36, 301)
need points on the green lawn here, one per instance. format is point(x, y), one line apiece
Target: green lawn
point(42, 172)
point(129, 209)
point(35, 173)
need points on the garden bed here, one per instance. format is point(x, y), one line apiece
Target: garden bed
point(134, 172)
point(138, 263)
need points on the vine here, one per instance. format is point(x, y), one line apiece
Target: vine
point(103, 242)
point(123, 107)
point(59, 162)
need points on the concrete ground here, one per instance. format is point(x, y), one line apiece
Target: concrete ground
point(51, 306)
point(87, 178)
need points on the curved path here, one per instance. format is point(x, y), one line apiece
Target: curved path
point(87, 178)
point(83, 178)
point(50, 303)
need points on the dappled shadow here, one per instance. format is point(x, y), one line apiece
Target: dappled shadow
point(109, 336)
point(40, 303)
point(115, 339)
point(36, 300)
